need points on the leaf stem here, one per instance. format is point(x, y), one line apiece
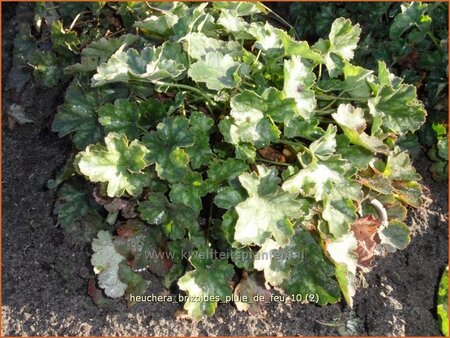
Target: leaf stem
point(272, 162)
point(295, 144)
point(181, 86)
point(323, 112)
point(331, 97)
point(279, 18)
point(434, 39)
point(141, 128)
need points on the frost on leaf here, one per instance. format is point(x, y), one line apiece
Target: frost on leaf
point(344, 37)
point(99, 51)
point(253, 116)
point(327, 181)
point(342, 252)
point(119, 164)
point(206, 285)
point(298, 80)
point(319, 179)
point(340, 46)
point(198, 45)
point(352, 122)
point(167, 61)
point(395, 236)
point(267, 210)
point(106, 264)
point(299, 268)
point(216, 70)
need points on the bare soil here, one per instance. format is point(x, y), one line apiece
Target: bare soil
point(45, 292)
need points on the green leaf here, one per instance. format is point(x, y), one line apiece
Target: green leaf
point(395, 236)
point(195, 19)
point(230, 168)
point(352, 122)
point(78, 116)
point(313, 276)
point(355, 82)
point(62, 38)
point(412, 15)
point(216, 70)
point(408, 192)
point(398, 167)
point(165, 148)
point(206, 285)
point(201, 126)
point(119, 164)
point(343, 40)
point(228, 198)
point(62, 175)
point(398, 109)
point(234, 24)
point(298, 48)
point(190, 191)
point(174, 219)
point(298, 80)
point(106, 264)
point(158, 25)
point(136, 284)
point(378, 182)
point(358, 157)
point(274, 268)
point(122, 117)
point(243, 258)
point(298, 126)
point(267, 210)
point(72, 204)
point(442, 303)
point(299, 268)
point(47, 68)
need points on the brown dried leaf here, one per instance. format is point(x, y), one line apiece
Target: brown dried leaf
point(365, 229)
point(272, 154)
point(116, 204)
point(250, 296)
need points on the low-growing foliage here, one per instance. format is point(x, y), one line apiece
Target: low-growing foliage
point(412, 38)
point(222, 154)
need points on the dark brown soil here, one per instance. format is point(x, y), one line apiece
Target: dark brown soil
point(44, 292)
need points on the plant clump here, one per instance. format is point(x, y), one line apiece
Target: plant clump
point(219, 153)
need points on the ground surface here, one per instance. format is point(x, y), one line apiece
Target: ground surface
point(44, 292)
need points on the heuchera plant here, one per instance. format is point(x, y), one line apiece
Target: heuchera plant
point(223, 154)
